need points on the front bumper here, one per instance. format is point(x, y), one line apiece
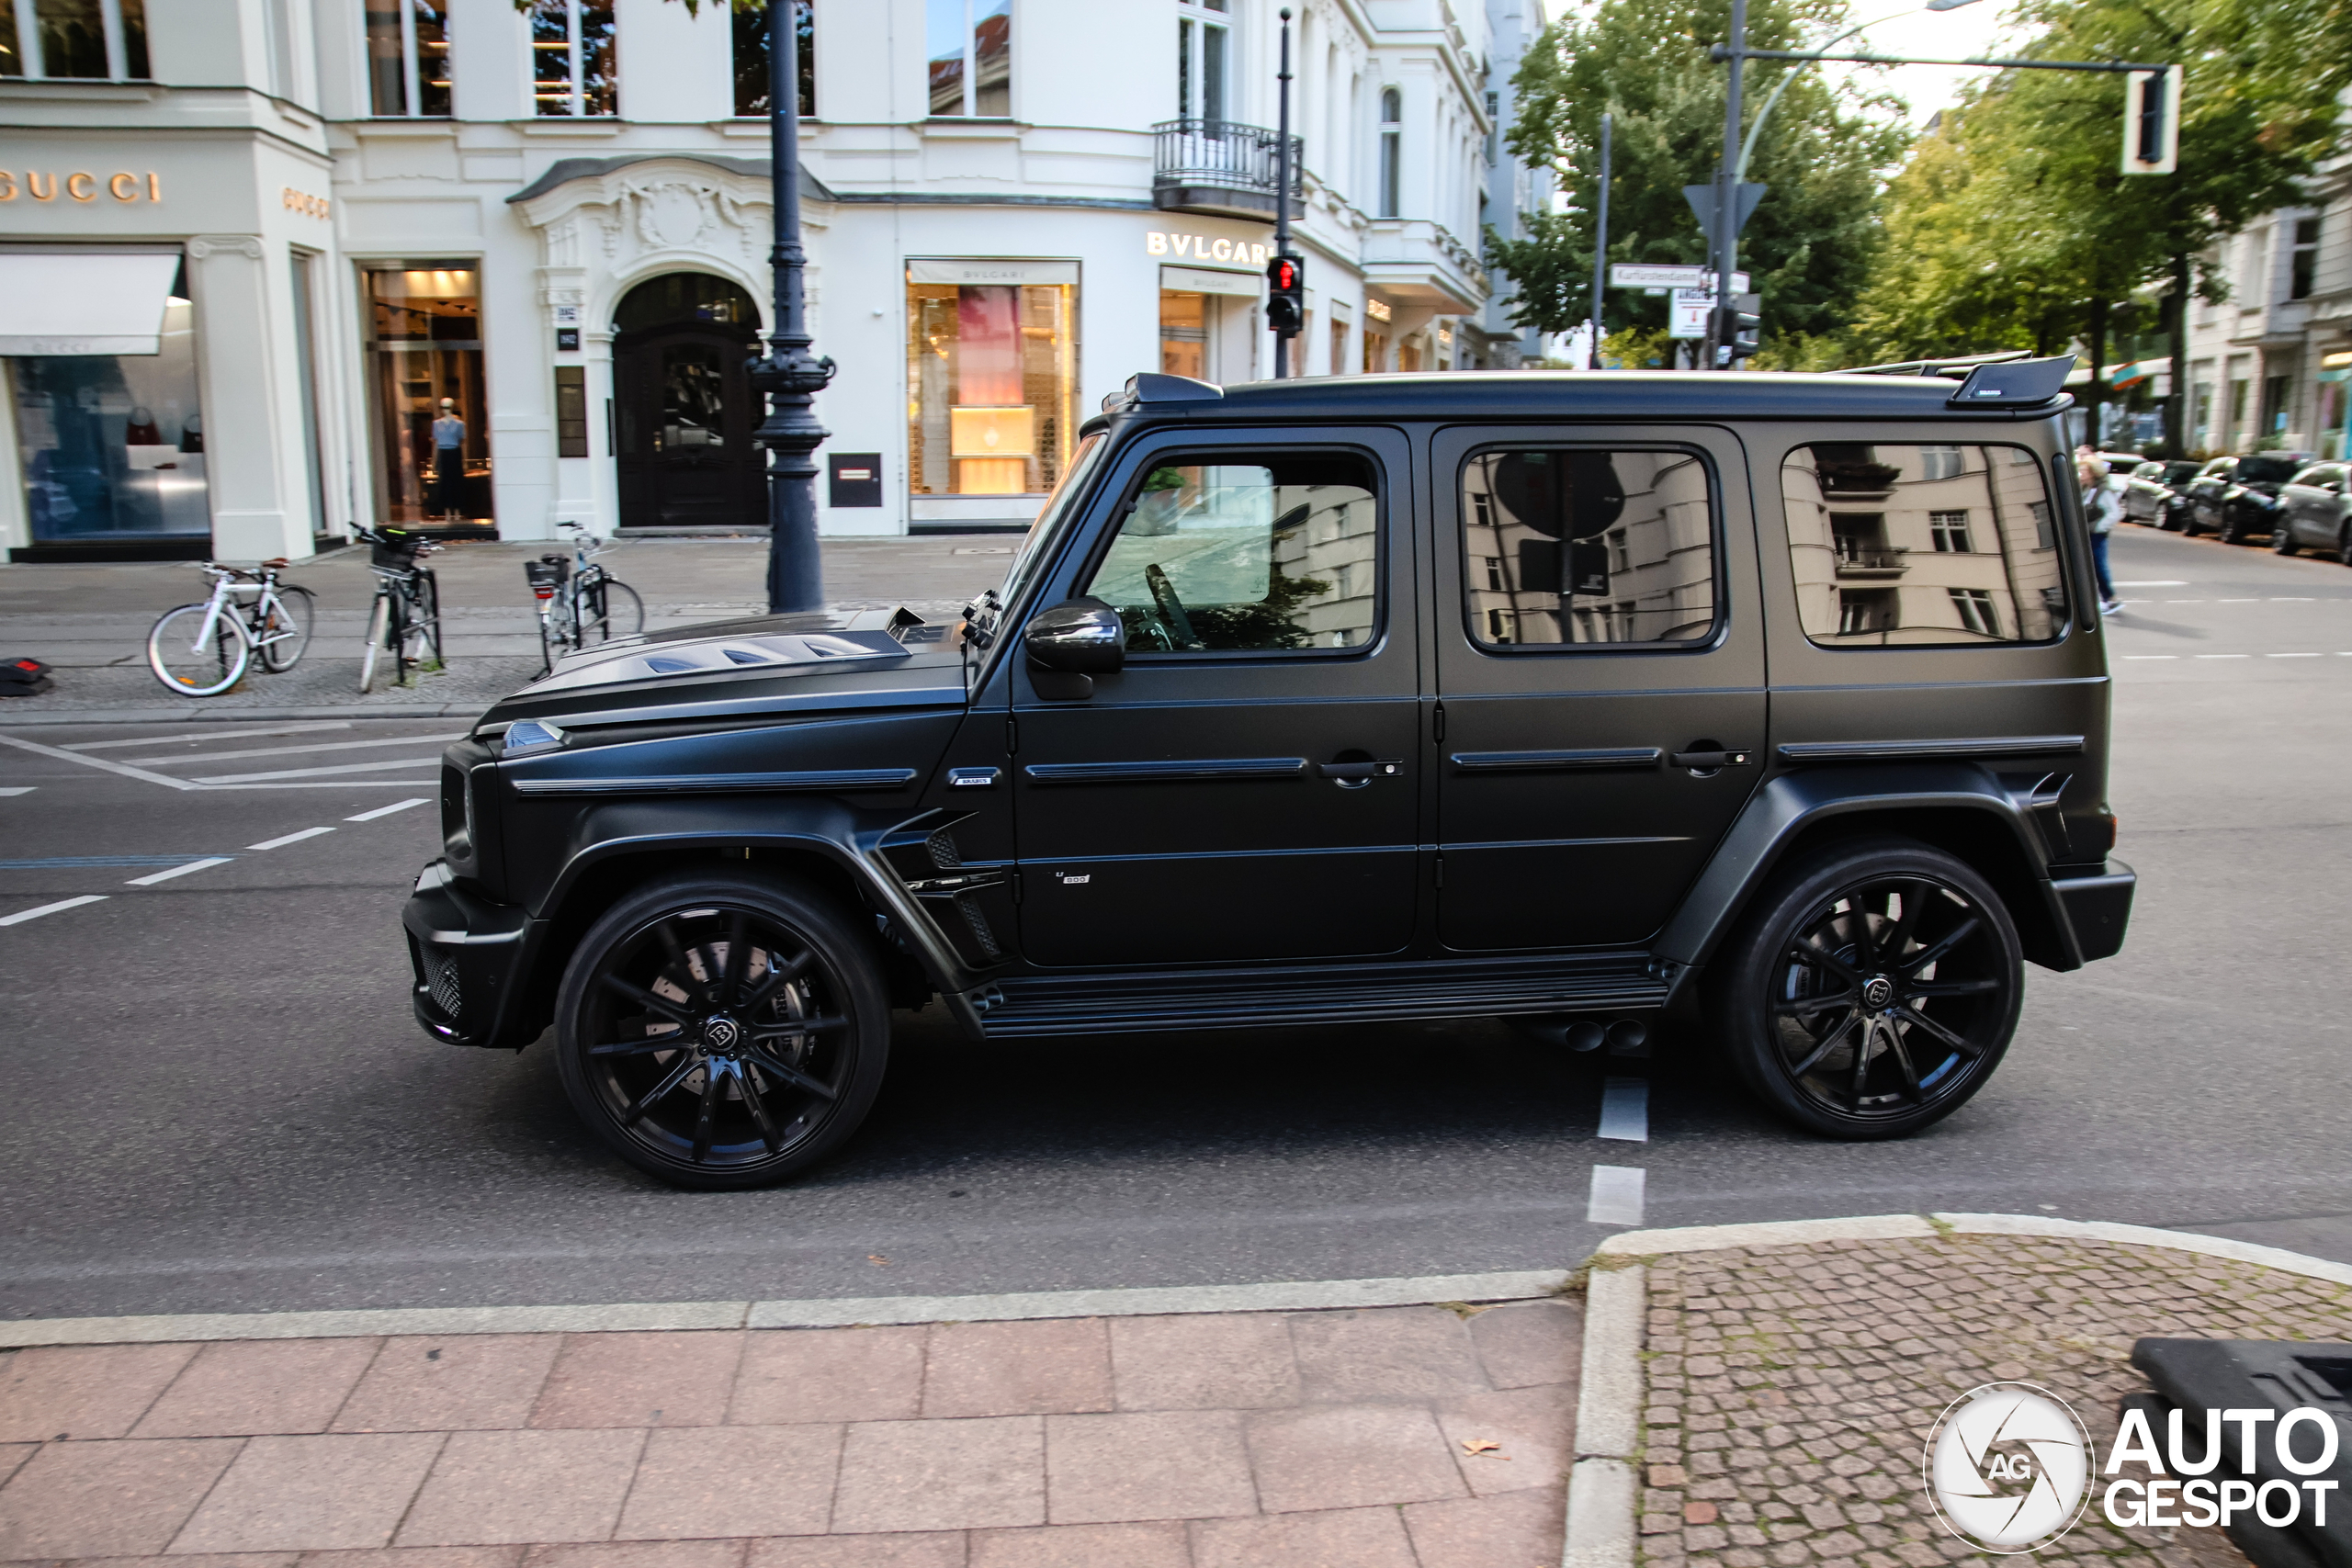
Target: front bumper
point(2098, 906)
point(469, 956)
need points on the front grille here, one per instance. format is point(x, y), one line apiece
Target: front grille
point(441, 979)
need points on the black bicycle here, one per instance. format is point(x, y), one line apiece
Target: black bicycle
point(581, 603)
point(406, 619)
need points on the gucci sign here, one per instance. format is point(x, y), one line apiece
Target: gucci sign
point(304, 202)
point(81, 185)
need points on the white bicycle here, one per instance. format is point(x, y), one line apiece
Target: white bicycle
point(205, 648)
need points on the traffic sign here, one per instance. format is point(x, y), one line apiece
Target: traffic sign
point(1639, 275)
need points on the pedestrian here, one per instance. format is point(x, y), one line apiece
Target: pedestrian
point(448, 459)
point(2101, 505)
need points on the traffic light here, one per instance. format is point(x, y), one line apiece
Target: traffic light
point(1285, 295)
point(2152, 121)
point(1739, 326)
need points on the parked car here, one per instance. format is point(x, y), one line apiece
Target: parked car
point(2316, 511)
point(1340, 702)
point(2156, 493)
point(2238, 497)
point(2121, 463)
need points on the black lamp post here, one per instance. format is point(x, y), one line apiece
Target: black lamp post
point(789, 374)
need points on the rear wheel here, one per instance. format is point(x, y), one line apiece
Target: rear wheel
point(722, 1033)
point(285, 630)
point(2344, 544)
point(2282, 536)
point(196, 661)
point(2232, 529)
point(1873, 990)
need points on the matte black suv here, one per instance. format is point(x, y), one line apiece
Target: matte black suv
point(1586, 700)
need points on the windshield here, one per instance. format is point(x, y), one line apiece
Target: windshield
point(1025, 559)
point(2265, 470)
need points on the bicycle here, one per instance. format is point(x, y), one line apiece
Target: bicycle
point(406, 617)
point(581, 603)
point(203, 649)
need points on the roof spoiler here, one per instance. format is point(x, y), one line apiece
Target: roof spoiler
point(2015, 384)
point(1148, 386)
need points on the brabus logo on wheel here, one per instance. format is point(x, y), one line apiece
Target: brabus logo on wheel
point(720, 1034)
point(1878, 992)
point(2008, 1467)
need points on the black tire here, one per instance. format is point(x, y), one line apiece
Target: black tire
point(288, 629)
point(655, 966)
point(2344, 544)
point(2232, 529)
point(2282, 536)
point(1953, 986)
point(379, 633)
point(609, 608)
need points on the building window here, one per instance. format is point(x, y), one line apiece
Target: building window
point(1392, 152)
point(574, 57)
point(2306, 264)
point(991, 375)
point(1974, 607)
point(408, 58)
point(970, 45)
point(431, 424)
point(1950, 530)
point(752, 65)
point(1867, 611)
point(1184, 333)
point(1494, 124)
point(74, 39)
point(1940, 463)
point(1201, 52)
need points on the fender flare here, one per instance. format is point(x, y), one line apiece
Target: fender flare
point(1789, 805)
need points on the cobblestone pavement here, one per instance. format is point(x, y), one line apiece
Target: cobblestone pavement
point(1789, 1389)
point(1386, 1438)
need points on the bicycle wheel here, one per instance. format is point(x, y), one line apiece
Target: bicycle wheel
point(551, 638)
point(380, 635)
point(428, 611)
point(609, 608)
point(285, 631)
point(419, 634)
point(196, 662)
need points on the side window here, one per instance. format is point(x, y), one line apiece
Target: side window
point(1567, 545)
point(1920, 545)
point(1277, 553)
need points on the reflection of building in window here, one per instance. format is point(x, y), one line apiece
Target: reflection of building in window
point(1956, 545)
point(1582, 546)
point(574, 68)
point(754, 70)
point(408, 58)
point(991, 377)
point(970, 47)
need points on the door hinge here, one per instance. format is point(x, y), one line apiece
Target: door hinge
point(1012, 736)
point(1439, 861)
point(1437, 721)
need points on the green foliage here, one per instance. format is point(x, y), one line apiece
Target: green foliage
point(1809, 245)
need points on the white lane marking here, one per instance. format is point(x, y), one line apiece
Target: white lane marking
point(2290, 656)
point(1616, 1195)
point(112, 767)
point(2133, 656)
point(289, 839)
point(2157, 583)
point(331, 784)
point(2184, 601)
point(19, 789)
point(2225, 656)
point(386, 811)
point(150, 881)
point(226, 732)
point(301, 751)
point(2237, 600)
point(21, 916)
point(1625, 1109)
point(314, 772)
point(2292, 599)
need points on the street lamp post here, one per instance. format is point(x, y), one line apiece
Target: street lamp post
point(789, 374)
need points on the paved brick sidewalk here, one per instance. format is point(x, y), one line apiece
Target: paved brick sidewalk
point(1383, 1438)
point(1788, 1389)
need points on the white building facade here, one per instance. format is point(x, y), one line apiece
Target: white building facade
point(452, 266)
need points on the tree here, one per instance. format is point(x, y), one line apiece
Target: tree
point(1809, 245)
point(2012, 225)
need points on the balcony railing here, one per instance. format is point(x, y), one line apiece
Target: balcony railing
point(1856, 560)
point(1218, 166)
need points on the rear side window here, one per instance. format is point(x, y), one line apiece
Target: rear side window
point(1271, 553)
point(1922, 546)
point(1571, 545)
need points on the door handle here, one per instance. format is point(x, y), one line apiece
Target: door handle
point(1355, 775)
point(1709, 760)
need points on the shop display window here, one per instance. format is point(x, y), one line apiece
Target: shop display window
point(991, 378)
point(1184, 333)
point(112, 446)
point(432, 418)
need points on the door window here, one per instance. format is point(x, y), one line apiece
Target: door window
point(1277, 553)
point(1919, 545)
point(1568, 546)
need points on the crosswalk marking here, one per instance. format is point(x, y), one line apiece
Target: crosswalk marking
point(21, 916)
point(224, 732)
point(300, 750)
point(280, 843)
point(19, 789)
point(179, 871)
point(1617, 1192)
point(386, 811)
point(315, 773)
point(1625, 1109)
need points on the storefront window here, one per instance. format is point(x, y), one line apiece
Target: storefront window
point(424, 361)
point(112, 446)
point(1183, 333)
point(991, 375)
point(408, 58)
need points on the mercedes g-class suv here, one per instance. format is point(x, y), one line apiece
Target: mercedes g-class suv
point(1776, 703)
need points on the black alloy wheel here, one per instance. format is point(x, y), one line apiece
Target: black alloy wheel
point(1872, 991)
point(720, 1033)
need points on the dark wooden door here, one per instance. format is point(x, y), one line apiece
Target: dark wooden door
point(686, 416)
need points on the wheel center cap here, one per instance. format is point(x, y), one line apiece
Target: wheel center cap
point(721, 1033)
point(1877, 991)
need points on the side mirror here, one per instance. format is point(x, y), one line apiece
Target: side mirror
point(1072, 642)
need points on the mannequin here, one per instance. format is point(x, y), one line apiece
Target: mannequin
point(448, 460)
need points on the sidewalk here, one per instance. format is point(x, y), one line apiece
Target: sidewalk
point(90, 622)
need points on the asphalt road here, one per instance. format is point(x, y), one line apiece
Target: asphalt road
point(215, 1099)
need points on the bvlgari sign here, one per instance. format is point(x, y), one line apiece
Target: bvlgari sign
point(1205, 248)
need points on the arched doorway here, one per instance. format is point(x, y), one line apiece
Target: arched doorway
point(685, 409)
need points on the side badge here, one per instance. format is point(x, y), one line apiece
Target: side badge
point(1069, 880)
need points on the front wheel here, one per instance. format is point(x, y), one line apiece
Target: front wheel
point(379, 633)
point(1873, 990)
point(196, 659)
point(286, 629)
point(720, 1033)
point(2282, 536)
point(2344, 544)
point(2232, 529)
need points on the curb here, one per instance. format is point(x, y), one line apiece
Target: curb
point(1604, 1486)
point(1306, 1295)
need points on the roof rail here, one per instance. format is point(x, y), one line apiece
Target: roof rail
point(1150, 386)
point(1954, 367)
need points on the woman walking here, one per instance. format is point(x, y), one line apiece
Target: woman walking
point(2101, 506)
